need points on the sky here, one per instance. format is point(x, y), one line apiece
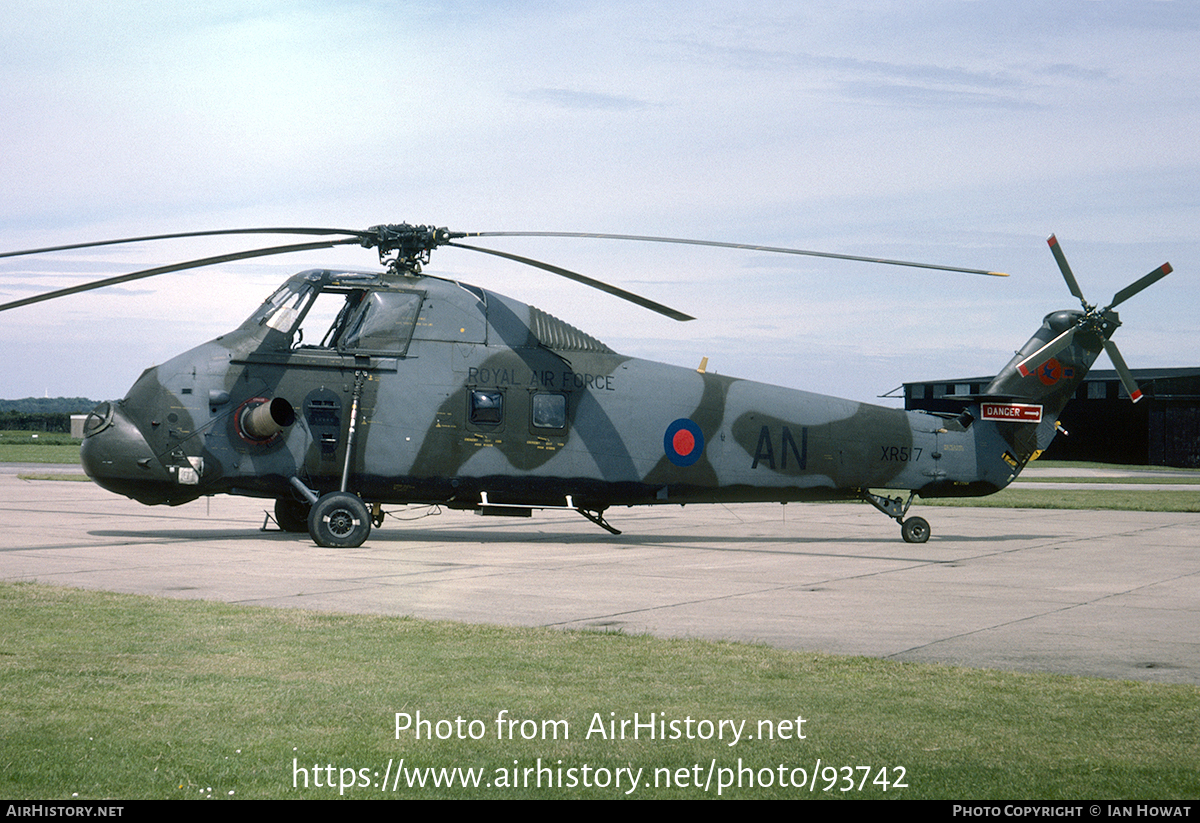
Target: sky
point(951, 132)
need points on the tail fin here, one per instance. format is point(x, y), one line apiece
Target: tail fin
point(1033, 387)
point(1016, 417)
point(1049, 368)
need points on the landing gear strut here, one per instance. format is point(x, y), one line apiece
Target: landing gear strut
point(597, 517)
point(914, 529)
point(340, 519)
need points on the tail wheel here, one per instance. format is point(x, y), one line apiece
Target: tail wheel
point(339, 520)
point(915, 530)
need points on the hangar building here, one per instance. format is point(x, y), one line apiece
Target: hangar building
point(1163, 429)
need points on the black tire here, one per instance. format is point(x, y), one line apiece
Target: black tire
point(339, 520)
point(292, 514)
point(915, 530)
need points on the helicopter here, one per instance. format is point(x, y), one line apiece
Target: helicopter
point(346, 391)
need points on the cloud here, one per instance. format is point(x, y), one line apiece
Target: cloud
point(910, 96)
point(583, 100)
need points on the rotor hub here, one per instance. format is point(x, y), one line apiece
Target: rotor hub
point(404, 248)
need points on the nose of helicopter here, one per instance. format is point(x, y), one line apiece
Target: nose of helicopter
point(117, 457)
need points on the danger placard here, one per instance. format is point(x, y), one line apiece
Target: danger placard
point(1013, 412)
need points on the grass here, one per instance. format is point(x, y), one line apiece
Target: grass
point(125, 696)
point(1117, 499)
point(1185, 480)
point(38, 447)
point(1067, 465)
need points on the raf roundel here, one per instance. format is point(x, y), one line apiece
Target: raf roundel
point(683, 442)
point(1050, 372)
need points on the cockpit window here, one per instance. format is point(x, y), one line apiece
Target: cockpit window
point(342, 315)
point(281, 309)
point(326, 319)
point(99, 419)
point(384, 323)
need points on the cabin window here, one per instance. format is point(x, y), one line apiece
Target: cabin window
point(487, 407)
point(549, 411)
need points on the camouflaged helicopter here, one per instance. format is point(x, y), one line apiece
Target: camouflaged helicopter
point(346, 391)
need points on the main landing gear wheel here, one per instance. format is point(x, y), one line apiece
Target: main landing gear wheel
point(915, 530)
point(339, 520)
point(291, 514)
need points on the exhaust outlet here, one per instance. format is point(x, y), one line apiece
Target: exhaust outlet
point(269, 418)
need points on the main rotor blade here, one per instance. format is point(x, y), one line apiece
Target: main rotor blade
point(1046, 352)
point(1061, 258)
point(587, 281)
point(773, 249)
point(1131, 386)
point(1135, 287)
point(176, 235)
point(190, 264)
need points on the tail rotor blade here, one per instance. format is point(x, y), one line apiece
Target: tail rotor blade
point(1061, 259)
point(1135, 287)
point(1027, 366)
point(1098, 321)
point(1131, 386)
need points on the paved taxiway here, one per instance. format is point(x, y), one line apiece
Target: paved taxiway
point(1110, 594)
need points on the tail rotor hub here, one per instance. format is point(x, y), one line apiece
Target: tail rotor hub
point(1094, 321)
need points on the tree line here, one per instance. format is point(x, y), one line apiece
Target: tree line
point(42, 414)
